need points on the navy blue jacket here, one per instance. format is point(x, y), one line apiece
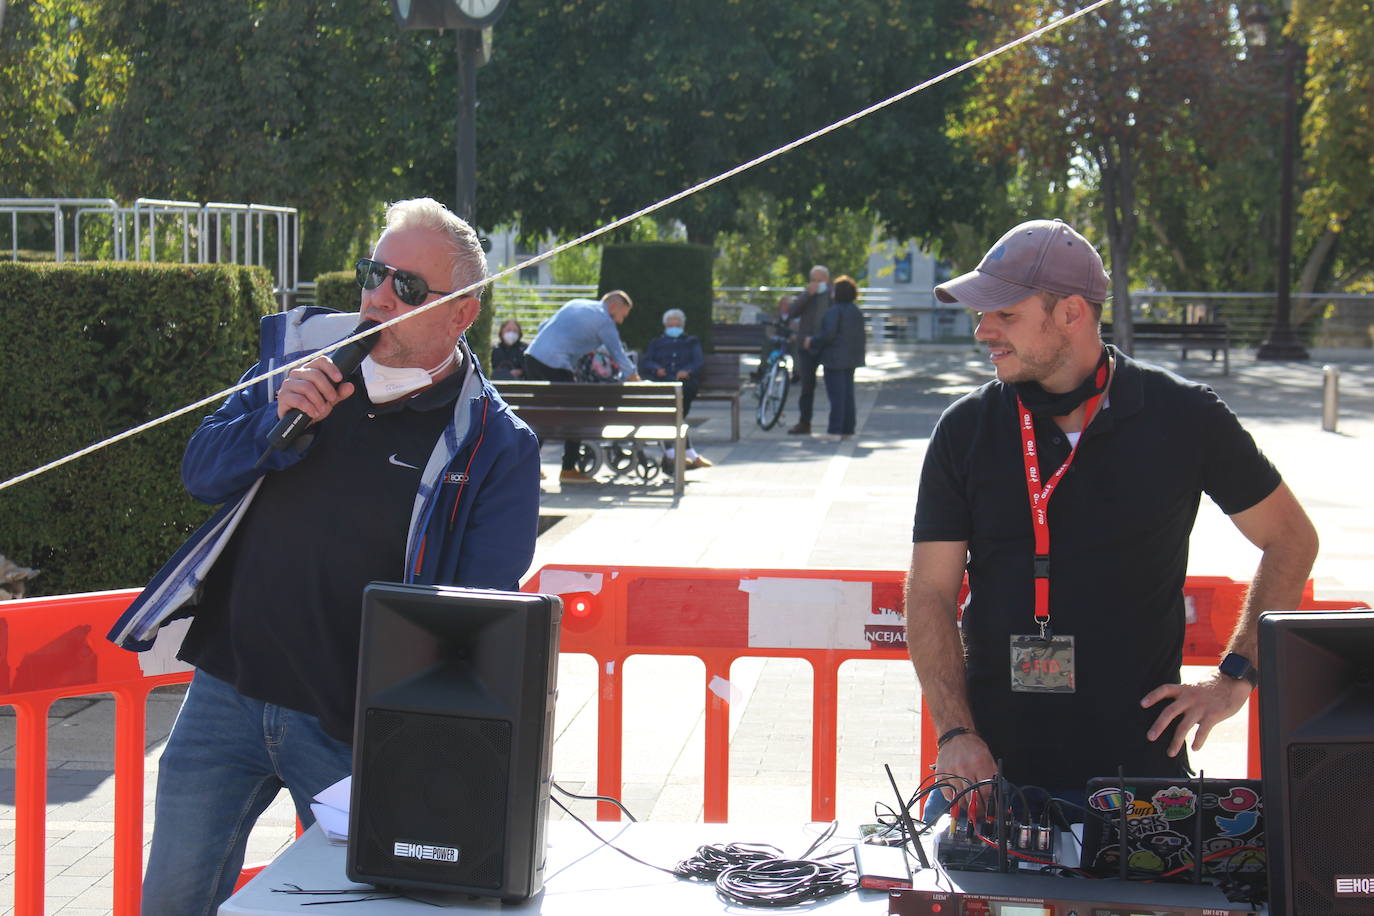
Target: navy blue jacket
point(673, 354)
point(473, 523)
point(841, 342)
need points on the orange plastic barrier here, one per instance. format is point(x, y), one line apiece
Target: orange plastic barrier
point(719, 615)
point(52, 648)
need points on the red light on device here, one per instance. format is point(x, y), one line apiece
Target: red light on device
point(581, 611)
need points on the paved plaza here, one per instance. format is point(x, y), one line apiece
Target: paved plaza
point(784, 502)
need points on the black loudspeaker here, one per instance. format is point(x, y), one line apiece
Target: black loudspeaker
point(1317, 745)
point(453, 739)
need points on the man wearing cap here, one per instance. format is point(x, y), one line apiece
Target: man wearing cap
point(1067, 488)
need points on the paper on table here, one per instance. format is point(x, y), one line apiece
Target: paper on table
point(331, 810)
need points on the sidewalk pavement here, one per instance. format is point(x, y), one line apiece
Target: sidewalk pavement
point(778, 501)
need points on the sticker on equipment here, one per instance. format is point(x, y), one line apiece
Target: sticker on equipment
point(425, 852)
point(1355, 885)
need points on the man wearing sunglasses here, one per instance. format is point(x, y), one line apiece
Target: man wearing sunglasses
point(413, 470)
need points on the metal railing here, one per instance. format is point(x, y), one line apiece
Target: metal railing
point(269, 237)
point(1328, 320)
point(253, 234)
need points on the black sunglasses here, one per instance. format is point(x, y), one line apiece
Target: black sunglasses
point(410, 288)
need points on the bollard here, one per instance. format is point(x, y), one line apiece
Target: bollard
point(1331, 397)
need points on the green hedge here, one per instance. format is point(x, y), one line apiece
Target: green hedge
point(339, 290)
point(659, 276)
point(93, 350)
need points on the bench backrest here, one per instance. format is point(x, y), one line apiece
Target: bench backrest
point(1171, 331)
point(739, 338)
point(721, 372)
point(585, 409)
point(610, 395)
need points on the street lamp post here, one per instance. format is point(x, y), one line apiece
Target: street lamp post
point(465, 197)
point(467, 18)
point(1282, 343)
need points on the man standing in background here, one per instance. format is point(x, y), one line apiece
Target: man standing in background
point(807, 309)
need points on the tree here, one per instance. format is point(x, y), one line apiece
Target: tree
point(51, 81)
point(766, 252)
point(1107, 100)
point(323, 106)
point(592, 110)
point(1337, 210)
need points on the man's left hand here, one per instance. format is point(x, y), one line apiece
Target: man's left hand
point(1203, 705)
point(682, 376)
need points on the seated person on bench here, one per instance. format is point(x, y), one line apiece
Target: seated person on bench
point(676, 355)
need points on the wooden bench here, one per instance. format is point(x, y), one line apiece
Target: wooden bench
point(641, 411)
point(720, 382)
point(1207, 335)
point(746, 339)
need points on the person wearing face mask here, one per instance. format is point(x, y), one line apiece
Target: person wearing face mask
point(676, 356)
point(412, 470)
point(508, 356)
point(809, 306)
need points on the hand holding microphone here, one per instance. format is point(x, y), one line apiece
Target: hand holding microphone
point(318, 389)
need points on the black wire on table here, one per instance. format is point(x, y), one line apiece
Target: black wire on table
point(754, 874)
point(605, 798)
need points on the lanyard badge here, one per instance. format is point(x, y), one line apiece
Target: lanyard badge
point(1045, 663)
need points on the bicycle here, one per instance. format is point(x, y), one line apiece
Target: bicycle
point(774, 376)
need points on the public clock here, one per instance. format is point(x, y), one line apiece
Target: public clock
point(447, 14)
point(481, 13)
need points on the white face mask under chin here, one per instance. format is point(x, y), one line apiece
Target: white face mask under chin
point(390, 383)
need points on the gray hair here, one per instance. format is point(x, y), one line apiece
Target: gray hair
point(822, 268)
point(469, 261)
point(674, 313)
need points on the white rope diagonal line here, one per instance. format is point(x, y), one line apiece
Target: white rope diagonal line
point(472, 289)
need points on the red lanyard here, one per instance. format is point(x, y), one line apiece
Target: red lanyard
point(1040, 496)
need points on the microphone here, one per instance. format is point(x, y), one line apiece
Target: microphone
point(295, 421)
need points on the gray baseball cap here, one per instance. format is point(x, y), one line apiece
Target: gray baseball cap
point(1042, 254)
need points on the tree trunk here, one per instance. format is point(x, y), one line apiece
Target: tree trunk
point(1311, 269)
point(1117, 172)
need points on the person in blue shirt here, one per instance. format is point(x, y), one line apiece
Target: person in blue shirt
point(576, 329)
point(413, 470)
point(676, 356)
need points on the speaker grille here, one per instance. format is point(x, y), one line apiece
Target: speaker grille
point(1331, 818)
point(439, 781)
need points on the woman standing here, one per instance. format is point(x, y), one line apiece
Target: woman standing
point(839, 348)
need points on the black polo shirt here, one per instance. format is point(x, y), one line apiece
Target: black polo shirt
point(280, 612)
point(1119, 526)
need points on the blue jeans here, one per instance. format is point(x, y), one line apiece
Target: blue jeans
point(224, 763)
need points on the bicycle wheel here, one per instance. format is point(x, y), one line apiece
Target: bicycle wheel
point(774, 396)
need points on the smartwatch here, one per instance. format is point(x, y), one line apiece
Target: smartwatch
point(1239, 667)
